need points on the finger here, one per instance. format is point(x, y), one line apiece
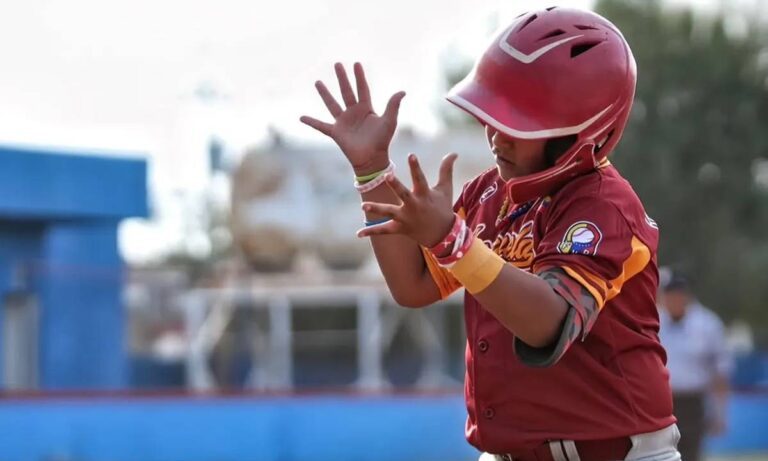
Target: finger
point(399, 189)
point(420, 184)
point(384, 209)
point(330, 102)
point(393, 106)
point(322, 127)
point(445, 177)
point(346, 89)
point(388, 228)
point(363, 92)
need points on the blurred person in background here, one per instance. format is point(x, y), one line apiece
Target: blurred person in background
point(698, 360)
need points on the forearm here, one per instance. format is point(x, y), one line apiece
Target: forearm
point(400, 259)
point(526, 305)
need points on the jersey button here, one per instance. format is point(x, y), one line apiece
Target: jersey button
point(482, 345)
point(489, 413)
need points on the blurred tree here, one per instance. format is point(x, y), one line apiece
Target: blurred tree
point(449, 114)
point(696, 148)
point(695, 142)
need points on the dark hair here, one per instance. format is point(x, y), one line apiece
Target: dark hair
point(556, 147)
point(675, 280)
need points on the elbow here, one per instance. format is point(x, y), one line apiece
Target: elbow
point(540, 341)
point(544, 338)
point(410, 300)
point(415, 295)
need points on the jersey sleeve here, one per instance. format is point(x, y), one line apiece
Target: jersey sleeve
point(445, 281)
point(586, 254)
point(594, 245)
point(571, 328)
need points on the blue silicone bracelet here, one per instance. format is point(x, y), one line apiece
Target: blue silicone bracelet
point(377, 222)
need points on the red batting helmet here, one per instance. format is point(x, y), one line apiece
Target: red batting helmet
point(553, 73)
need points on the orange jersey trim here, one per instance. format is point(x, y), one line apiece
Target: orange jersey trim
point(603, 163)
point(598, 294)
point(605, 291)
point(444, 280)
point(633, 265)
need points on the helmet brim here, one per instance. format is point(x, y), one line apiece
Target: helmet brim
point(506, 116)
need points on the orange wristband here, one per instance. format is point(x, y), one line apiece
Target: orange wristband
point(478, 268)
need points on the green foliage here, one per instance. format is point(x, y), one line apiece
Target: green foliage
point(450, 115)
point(697, 132)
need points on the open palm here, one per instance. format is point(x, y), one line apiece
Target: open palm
point(362, 135)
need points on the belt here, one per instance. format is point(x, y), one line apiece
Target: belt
point(584, 450)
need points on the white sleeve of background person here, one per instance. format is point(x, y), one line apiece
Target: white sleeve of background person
point(722, 359)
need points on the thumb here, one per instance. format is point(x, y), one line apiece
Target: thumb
point(445, 178)
point(393, 106)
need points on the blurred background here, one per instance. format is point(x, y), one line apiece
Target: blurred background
point(179, 274)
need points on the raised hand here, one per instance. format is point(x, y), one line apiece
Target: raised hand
point(362, 135)
point(426, 213)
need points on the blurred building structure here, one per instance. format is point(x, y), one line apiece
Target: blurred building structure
point(60, 272)
point(300, 302)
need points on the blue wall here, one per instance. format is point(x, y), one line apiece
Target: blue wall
point(231, 429)
point(316, 428)
point(79, 285)
point(59, 213)
point(47, 184)
point(747, 425)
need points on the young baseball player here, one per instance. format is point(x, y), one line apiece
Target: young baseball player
point(553, 248)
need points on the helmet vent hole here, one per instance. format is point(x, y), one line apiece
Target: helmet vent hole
point(551, 8)
point(582, 48)
point(527, 21)
point(554, 33)
point(585, 27)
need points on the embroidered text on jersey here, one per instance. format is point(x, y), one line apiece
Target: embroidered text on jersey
point(516, 247)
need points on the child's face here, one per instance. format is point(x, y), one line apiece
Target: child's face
point(516, 157)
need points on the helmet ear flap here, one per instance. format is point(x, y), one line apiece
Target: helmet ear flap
point(604, 140)
point(557, 147)
point(584, 158)
point(578, 161)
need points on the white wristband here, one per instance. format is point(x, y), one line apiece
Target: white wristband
point(377, 181)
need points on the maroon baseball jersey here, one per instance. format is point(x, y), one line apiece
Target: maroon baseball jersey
point(605, 377)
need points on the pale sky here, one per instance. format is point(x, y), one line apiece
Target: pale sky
point(122, 75)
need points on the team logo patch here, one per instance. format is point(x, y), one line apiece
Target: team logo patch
point(489, 192)
point(581, 238)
